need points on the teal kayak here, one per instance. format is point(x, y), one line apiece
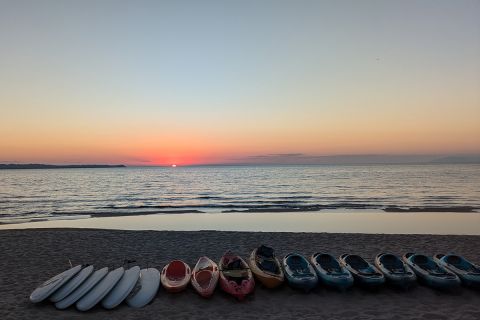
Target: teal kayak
point(396, 271)
point(468, 272)
point(330, 272)
point(299, 272)
point(430, 273)
point(364, 273)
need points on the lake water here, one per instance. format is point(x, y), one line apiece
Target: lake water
point(32, 195)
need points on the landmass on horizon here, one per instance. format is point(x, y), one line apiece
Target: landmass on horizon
point(281, 159)
point(52, 166)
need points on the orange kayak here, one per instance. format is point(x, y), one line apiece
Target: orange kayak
point(205, 276)
point(236, 278)
point(175, 276)
point(266, 267)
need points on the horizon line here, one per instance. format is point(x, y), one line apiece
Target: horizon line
point(278, 160)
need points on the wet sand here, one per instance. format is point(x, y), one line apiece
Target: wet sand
point(31, 256)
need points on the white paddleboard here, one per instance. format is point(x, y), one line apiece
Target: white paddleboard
point(72, 284)
point(94, 296)
point(122, 288)
point(82, 289)
point(146, 288)
point(51, 285)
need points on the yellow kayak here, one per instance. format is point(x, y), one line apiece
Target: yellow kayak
point(266, 267)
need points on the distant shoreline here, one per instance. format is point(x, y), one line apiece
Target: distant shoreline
point(52, 166)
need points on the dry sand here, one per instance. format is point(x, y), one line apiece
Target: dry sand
point(31, 256)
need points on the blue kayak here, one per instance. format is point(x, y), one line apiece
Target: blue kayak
point(331, 272)
point(430, 273)
point(397, 272)
point(468, 272)
point(299, 272)
point(364, 273)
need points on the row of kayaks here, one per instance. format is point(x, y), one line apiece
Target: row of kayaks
point(84, 287)
point(440, 271)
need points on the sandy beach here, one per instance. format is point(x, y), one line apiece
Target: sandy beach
point(32, 256)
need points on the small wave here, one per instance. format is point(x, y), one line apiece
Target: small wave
point(430, 209)
point(441, 197)
point(211, 198)
point(281, 205)
point(140, 213)
point(113, 211)
point(295, 197)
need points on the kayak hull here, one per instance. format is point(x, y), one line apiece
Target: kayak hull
point(395, 270)
point(299, 273)
point(237, 281)
point(364, 274)
point(268, 279)
point(431, 273)
point(205, 277)
point(338, 277)
point(468, 272)
point(175, 276)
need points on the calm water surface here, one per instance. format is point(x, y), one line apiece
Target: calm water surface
point(29, 195)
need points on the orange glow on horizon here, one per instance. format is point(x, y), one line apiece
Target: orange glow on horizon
point(162, 142)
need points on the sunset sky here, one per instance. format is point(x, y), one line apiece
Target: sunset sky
point(192, 82)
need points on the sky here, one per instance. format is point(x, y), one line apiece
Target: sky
point(196, 82)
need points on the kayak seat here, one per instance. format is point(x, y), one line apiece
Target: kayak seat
point(393, 264)
point(368, 272)
point(234, 264)
point(268, 265)
point(399, 271)
point(462, 264)
point(176, 271)
point(455, 260)
point(236, 275)
point(428, 265)
point(204, 278)
point(234, 270)
point(298, 266)
point(266, 252)
point(329, 264)
point(357, 262)
point(361, 266)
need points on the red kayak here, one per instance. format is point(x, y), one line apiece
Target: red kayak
point(175, 276)
point(205, 277)
point(235, 276)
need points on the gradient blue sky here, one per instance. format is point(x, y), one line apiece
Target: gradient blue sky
point(207, 81)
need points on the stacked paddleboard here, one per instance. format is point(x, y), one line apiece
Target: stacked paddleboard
point(85, 287)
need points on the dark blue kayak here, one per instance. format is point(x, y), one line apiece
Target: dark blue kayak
point(396, 271)
point(364, 273)
point(330, 272)
point(299, 272)
point(430, 273)
point(468, 272)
